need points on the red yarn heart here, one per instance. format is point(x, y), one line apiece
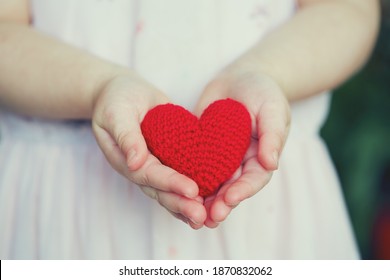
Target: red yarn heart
point(208, 150)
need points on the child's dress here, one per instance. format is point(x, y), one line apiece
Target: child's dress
point(60, 199)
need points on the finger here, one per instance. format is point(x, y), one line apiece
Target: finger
point(223, 204)
point(126, 131)
point(186, 220)
point(164, 178)
point(254, 178)
point(235, 175)
point(215, 206)
point(187, 210)
point(220, 206)
point(219, 210)
point(209, 222)
point(110, 149)
point(153, 193)
point(152, 173)
point(273, 123)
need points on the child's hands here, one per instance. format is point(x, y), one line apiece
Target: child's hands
point(119, 108)
point(270, 113)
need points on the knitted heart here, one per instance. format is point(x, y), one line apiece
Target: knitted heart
point(208, 150)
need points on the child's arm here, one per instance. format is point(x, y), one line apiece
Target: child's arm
point(41, 76)
point(319, 48)
point(324, 43)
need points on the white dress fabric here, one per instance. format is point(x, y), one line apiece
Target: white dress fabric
point(60, 199)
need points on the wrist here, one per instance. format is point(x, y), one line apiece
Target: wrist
point(103, 80)
point(255, 64)
point(245, 71)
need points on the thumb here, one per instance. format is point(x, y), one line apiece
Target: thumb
point(127, 134)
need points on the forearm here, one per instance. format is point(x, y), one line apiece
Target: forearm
point(41, 76)
point(319, 48)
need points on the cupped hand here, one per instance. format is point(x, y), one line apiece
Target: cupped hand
point(119, 108)
point(270, 114)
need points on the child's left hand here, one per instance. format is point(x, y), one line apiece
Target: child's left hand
point(270, 114)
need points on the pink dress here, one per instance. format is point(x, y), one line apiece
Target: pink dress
point(60, 199)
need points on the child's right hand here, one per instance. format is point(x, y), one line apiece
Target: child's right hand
point(119, 108)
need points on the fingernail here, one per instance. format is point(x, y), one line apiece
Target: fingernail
point(131, 156)
point(275, 157)
point(199, 199)
point(190, 196)
point(196, 223)
point(189, 192)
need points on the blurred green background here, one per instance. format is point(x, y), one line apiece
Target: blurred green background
point(357, 133)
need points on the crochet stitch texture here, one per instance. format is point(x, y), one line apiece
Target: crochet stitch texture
point(209, 149)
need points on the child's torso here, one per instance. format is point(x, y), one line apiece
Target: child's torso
point(177, 45)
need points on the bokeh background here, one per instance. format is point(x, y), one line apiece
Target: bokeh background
point(357, 133)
